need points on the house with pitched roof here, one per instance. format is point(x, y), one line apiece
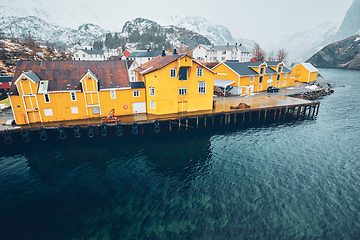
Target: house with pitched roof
point(176, 83)
point(140, 56)
point(246, 78)
point(305, 72)
point(221, 53)
point(52, 91)
point(88, 54)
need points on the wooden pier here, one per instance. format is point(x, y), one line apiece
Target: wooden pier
point(262, 109)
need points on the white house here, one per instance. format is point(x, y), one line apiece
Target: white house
point(88, 54)
point(221, 53)
point(131, 65)
point(140, 56)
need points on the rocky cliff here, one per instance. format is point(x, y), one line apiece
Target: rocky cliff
point(340, 54)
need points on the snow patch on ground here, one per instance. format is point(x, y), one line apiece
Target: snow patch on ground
point(312, 87)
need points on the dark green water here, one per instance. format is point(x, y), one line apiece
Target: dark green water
point(296, 180)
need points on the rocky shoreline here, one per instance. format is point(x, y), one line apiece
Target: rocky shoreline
point(314, 94)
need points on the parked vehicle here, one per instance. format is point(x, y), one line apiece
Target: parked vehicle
point(272, 89)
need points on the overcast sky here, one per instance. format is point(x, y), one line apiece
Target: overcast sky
point(252, 19)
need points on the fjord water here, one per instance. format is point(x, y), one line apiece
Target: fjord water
point(292, 180)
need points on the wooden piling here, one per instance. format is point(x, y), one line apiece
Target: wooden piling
point(265, 115)
point(187, 123)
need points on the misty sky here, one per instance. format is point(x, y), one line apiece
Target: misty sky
point(252, 19)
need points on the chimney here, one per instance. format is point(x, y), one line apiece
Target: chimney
point(174, 51)
point(163, 52)
point(228, 44)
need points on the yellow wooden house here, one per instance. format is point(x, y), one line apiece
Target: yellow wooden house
point(304, 72)
point(248, 77)
point(176, 83)
point(69, 90)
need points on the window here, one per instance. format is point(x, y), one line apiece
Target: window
point(215, 58)
point(47, 98)
point(199, 72)
point(74, 110)
point(202, 87)
point(224, 52)
point(262, 70)
point(183, 74)
point(280, 69)
point(223, 58)
point(152, 91)
point(173, 72)
point(112, 94)
point(96, 110)
point(73, 96)
point(48, 112)
point(77, 55)
point(270, 76)
point(285, 75)
point(284, 83)
point(261, 79)
point(182, 90)
point(83, 55)
point(278, 77)
point(136, 93)
point(152, 105)
point(210, 58)
point(252, 79)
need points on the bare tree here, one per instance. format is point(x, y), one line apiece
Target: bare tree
point(258, 53)
point(271, 57)
point(282, 55)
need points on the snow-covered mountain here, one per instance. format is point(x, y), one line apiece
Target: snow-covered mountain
point(217, 34)
point(302, 45)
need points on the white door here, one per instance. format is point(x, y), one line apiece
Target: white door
point(139, 107)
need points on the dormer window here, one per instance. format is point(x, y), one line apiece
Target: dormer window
point(262, 70)
point(280, 69)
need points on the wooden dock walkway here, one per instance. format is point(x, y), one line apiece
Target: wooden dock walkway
point(263, 107)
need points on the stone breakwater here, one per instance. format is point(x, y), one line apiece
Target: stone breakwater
point(314, 94)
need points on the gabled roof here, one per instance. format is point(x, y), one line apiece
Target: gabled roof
point(241, 68)
point(157, 63)
point(223, 47)
point(229, 47)
point(241, 48)
point(270, 71)
point(144, 53)
point(255, 64)
point(6, 78)
point(30, 74)
point(286, 70)
point(309, 67)
point(273, 63)
point(137, 85)
point(111, 74)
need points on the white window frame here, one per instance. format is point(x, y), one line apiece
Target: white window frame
point(278, 77)
point(74, 110)
point(261, 79)
point(136, 93)
point(172, 72)
point(284, 83)
point(199, 72)
point(262, 70)
point(280, 69)
point(251, 78)
point(112, 94)
point(182, 90)
point(48, 96)
point(152, 104)
point(152, 91)
point(73, 96)
point(201, 88)
point(48, 112)
point(285, 76)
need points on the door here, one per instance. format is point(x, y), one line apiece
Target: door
point(139, 107)
point(182, 106)
point(31, 109)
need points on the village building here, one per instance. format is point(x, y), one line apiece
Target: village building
point(140, 56)
point(5, 83)
point(245, 78)
point(88, 54)
point(69, 90)
point(176, 83)
point(304, 72)
point(221, 53)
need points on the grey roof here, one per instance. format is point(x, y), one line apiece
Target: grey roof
point(273, 63)
point(286, 70)
point(242, 48)
point(142, 53)
point(6, 78)
point(32, 76)
point(270, 71)
point(137, 85)
point(254, 64)
point(241, 68)
point(223, 47)
point(91, 51)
